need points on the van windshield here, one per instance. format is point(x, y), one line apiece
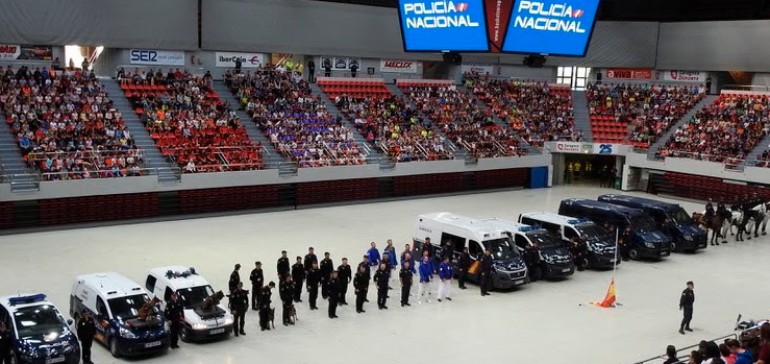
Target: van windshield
point(193, 297)
point(680, 216)
point(543, 240)
point(126, 308)
point(41, 320)
point(501, 248)
point(642, 223)
point(592, 231)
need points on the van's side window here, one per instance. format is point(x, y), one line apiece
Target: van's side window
point(659, 216)
point(528, 221)
point(457, 242)
point(474, 249)
point(101, 308)
point(521, 241)
point(570, 233)
point(151, 283)
point(167, 294)
point(554, 228)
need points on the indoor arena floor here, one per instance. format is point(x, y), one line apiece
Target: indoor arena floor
point(541, 322)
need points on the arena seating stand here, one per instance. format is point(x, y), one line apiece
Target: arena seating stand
point(190, 123)
point(703, 188)
point(385, 120)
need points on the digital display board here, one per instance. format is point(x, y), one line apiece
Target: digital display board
point(551, 27)
point(443, 25)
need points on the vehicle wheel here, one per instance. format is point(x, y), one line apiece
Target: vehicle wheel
point(114, 348)
point(633, 254)
point(674, 247)
point(184, 335)
point(585, 263)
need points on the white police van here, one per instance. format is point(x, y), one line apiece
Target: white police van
point(509, 268)
point(39, 333)
point(115, 303)
point(599, 241)
point(201, 323)
point(553, 259)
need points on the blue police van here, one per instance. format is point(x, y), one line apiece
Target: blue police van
point(646, 240)
point(39, 333)
point(671, 218)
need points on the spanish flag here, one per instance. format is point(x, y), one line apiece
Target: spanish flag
point(474, 268)
point(609, 299)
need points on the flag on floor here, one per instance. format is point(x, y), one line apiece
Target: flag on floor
point(474, 268)
point(609, 298)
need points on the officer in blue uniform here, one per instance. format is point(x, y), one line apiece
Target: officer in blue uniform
point(373, 255)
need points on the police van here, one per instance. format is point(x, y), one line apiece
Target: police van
point(115, 303)
point(646, 241)
point(600, 242)
point(201, 322)
point(671, 218)
point(38, 332)
point(509, 268)
point(553, 258)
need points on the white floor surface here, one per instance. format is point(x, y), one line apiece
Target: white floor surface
point(544, 322)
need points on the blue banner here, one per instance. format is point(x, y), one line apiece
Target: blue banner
point(438, 25)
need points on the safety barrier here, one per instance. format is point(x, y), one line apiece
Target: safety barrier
point(683, 353)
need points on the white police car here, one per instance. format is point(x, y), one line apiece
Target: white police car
point(39, 333)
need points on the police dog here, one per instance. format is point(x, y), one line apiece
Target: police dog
point(292, 315)
point(271, 317)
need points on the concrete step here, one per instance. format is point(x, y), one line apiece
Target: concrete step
point(582, 115)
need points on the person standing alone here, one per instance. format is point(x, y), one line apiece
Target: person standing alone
point(86, 332)
point(685, 304)
point(406, 275)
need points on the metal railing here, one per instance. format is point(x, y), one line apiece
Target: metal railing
point(729, 163)
point(685, 352)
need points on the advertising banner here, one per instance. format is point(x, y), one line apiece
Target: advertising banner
point(555, 27)
point(153, 57)
point(629, 73)
point(498, 16)
point(684, 76)
point(589, 148)
point(443, 25)
point(10, 52)
point(397, 66)
point(481, 69)
point(248, 60)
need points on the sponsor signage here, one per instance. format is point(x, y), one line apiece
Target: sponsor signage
point(396, 66)
point(498, 15)
point(588, 148)
point(11, 52)
point(629, 73)
point(157, 58)
point(478, 68)
point(557, 27)
point(443, 25)
point(340, 63)
point(248, 60)
point(684, 76)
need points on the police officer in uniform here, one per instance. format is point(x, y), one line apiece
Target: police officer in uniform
point(333, 288)
point(327, 266)
point(298, 276)
point(367, 273)
point(685, 305)
point(406, 277)
point(310, 258)
point(313, 279)
point(624, 242)
point(175, 316)
point(86, 331)
point(283, 267)
point(235, 278)
point(486, 272)
point(265, 298)
point(463, 264)
point(239, 304)
point(361, 286)
point(286, 293)
point(381, 278)
point(532, 259)
point(579, 252)
point(5, 344)
point(345, 276)
point(257, 280)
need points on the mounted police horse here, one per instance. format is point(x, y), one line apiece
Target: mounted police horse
point(713, 223)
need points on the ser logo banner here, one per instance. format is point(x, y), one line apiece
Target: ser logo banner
point(438, 14)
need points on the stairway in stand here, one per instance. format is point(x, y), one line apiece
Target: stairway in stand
point(21, 177)
point(581, 115)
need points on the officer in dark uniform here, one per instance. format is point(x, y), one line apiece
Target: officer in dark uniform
point(313, 279)
point(709, 210)
point(344, 275)
point(265, 298)
point(86, 331)
point(579, 250)
point(298, 277)
point(286, 293)
point(685, 305)
point(327, 266)
point(624, 243)
point(406, 277)
point(361, 286)
point(175, 316)
point(235, 278)
point(5, 344)
point(257, 280)
point(463, 264)
point(485, 276)
point(310, 258)
point(239, 304)
point(283, 267)
point(333, 289)
point(532, 259)
point(447, 252)
point(367, 273)
point(381, 277)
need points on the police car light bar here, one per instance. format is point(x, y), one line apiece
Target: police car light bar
point(524, 229)
point(577, 221)
point(27, 299)
point(171, 274)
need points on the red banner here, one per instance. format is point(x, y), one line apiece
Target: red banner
point(629, 73)
point(498, 14)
